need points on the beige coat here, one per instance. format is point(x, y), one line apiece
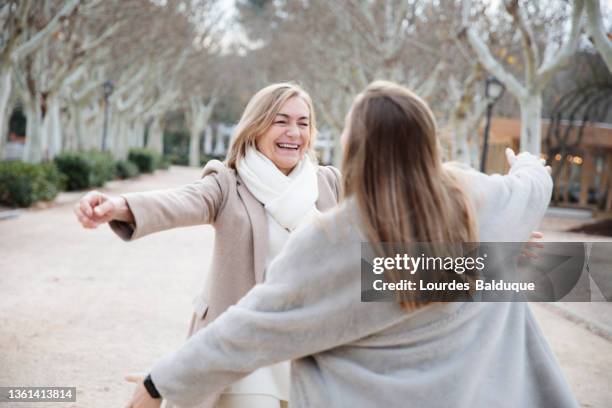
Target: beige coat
point(221, 199)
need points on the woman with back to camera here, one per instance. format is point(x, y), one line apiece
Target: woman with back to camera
point(269, 185)
point(351, 354)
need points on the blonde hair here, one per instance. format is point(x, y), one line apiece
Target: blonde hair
point(393, 169)
point(259, 115)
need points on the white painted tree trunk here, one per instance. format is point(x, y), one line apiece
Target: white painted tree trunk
point(69, 141)
point(531, 123)
point(208, 140)
point(155, 141)
point(137, 133)
point(78, 142)
point(34, 138)
point(194, 143)
point(53, 128)
point(5, 94)
point(475, 148)
point(223, 136)
point(120, 139)
point(113, 127)
point(199, 115)
point(461, 148)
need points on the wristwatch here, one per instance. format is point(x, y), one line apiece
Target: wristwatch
point(151, 389)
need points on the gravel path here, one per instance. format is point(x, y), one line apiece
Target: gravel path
point(82, 308)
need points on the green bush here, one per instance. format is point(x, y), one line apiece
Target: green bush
point(85, 169)
point(103, 167)
point(164, 163)
point(22, 184)
point(176, 146)
point(76, 168)
point(145, 159)
point(179, 160)
point(126, 169)
point(54, 182)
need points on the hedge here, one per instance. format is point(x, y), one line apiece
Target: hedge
point(126, 169)
point(84, 170)
point(22, 184)
point(147, 160)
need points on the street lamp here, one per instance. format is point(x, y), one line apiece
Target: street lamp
point(493, 91)
point(108, 90)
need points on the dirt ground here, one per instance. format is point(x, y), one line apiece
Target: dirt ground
point(82, 308)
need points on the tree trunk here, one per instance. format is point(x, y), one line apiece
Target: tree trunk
point(208, 140)
point(461, 148)
point(531, 123)
point(223, 133)
point(156, 136)
point(5, 94)
point(94, 128)
point(200, 114)
point(475, 149)
point(120, 139)
point(137, 133)
point(79, 131)
point(34, 137)
point(194, 143)
point(53, 127)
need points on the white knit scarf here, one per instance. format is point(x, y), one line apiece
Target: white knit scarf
point(290, 200)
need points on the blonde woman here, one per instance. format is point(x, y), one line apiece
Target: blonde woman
point(269, 185)
point(347, 353)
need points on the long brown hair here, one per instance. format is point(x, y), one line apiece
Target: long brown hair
point(393, 169)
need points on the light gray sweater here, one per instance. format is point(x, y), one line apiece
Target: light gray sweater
point(351, 354)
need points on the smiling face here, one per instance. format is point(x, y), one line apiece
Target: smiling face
point(287, 139)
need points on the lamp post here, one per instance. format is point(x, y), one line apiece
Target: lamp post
point(108, 90)
point(493, 91)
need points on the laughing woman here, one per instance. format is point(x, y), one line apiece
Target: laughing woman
point(407, 352)
point(269, 185)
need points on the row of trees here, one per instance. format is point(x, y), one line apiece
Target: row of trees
point(85, 69)
point(161, 56)
point(442, 49)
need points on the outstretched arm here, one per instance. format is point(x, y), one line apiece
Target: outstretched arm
point(509, 207)
point(134, 215)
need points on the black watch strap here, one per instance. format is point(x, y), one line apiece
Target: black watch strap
point(151, 389)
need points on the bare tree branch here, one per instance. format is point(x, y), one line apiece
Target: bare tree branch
point(568, 49)
point(596, 28)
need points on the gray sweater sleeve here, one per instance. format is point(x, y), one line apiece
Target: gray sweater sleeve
point(299, 310)
point(509, 207)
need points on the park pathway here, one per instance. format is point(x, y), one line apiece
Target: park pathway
point(82, 308)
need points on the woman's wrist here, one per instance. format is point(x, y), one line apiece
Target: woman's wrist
point(151, 389)
point(123, 211)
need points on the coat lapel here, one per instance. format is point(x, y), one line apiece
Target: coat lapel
point(326, 199)
point(259, 226)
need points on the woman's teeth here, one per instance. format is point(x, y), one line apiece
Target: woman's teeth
point(287, 146)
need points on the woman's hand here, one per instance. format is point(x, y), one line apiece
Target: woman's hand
point(96, 208)
point(531, 245)
point(141, 398)
point(511, 157)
